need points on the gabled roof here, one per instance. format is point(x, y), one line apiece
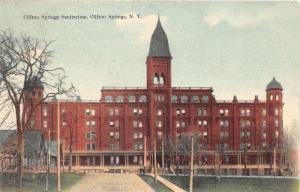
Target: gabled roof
point(159, 46)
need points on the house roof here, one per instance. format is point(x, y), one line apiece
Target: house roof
point(159, 46)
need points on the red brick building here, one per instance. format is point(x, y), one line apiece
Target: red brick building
point(112, 131)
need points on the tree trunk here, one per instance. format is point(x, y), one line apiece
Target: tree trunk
point(20, 158)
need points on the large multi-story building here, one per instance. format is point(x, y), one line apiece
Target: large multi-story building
point(121, 127)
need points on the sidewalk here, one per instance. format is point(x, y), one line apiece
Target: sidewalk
point(107, 182)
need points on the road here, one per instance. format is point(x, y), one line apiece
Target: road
point(111, 183)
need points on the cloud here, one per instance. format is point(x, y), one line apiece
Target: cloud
point(143, 27)
point(246, 18)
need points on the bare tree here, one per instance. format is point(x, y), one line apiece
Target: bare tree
point(24, 67)
point(187, 146)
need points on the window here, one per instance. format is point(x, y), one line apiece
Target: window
point(93, 112)
point(45, 111)
point(276, 123)
point(134, 124)
point(202, 112)
point(131, 99)
point(64, 124)
point(114, 123)
point(276, 134)
point(245, 123)
point(248, 112)
point(108, 99)
point(182, 111)
point(195, 99)
point(264, 112)
point(204, 123)
point(91, 146)
point(160, 98)
point(120, 99)
point(45, 124)
point(199, 123)
point(277, 97)
point(159, 134)
point(137, 111)
point(90, 135)
point(271, 97)
point(113, 111)
point(264, 135)
point(138, 146)
point(116, 111)
point(158, 124)
point(114, 135)
point(204, 135)
point(87, 112)
point(183, 99)
point(264, 123)
point(159, 112)
point(140, 124)
point(224, 134)
point(93, 123)
point(224, 123)
point(88, 124)
point(177, 124)
point(63, 111)
point(138, 135)
point(245, 134)
point(177, 112)
point(143, 98)
point(276, 111)
point(114, 146)
point(174, 99)
point(182, 124)
point(245, 112)
point(204, 99)
point(264, 145)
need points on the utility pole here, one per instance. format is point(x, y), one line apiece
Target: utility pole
point(155, 166)
point(58, 147)
point(48, 162)
point(163, 155)
point(274, 161)
point(192, 164)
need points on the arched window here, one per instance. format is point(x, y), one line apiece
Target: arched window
point(156, 79)
point(174, 99)
point(271, 97)
point(143, 98)
point(277, 97)
point(183, 99)
point(120, 99)
point(108, 99)
point(131, 99)
point(195, 99)
point(159, 112)
point(204, 99)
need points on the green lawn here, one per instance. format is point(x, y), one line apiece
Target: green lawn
point(238, 184)
point(37, 182)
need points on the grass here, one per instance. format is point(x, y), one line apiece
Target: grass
point(37, 182)
point(238, 184)
point(156, 186)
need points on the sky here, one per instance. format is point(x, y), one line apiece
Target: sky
point(234, 47)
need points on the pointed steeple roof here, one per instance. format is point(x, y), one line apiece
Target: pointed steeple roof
point(159, 46)
point(274, 84)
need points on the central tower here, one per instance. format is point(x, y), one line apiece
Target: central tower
point(159, 85)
